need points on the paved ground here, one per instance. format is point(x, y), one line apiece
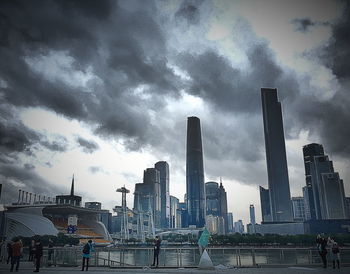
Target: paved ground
point(27, 268)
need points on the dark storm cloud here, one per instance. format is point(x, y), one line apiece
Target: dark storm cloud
point(303, 24)
point(124, 51)
point(215, 80)
point(58, 145)
point(89, 146)
point(189, 10)
point(329, 118)
point(15, 178)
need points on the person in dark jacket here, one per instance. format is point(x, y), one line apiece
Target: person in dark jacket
point(38, 253)
point(50, 252)
point(9, 251)
point(157, 243)
point(322, 249)
point(31, 251)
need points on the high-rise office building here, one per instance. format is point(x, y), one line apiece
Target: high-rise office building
point(265, 205)
point(216, 200)
point(347, 207)
point(325, 198)
point(298, 207)
point(223, 207)
point(163, 169)
point(252, 214)
point(230, 222)
point(174, 206)
point(276, 158)
point(212, 198)
point(147, 195)
point(239, 227)
point(195, 190)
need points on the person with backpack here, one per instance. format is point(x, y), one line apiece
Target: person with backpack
point(87, 249)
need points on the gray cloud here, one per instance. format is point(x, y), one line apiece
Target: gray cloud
point(95, 169)
point(125, 47)
point(89, 146)
point(15, 177)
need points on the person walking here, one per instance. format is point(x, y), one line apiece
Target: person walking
point(87, 249)
point(9, 251)
point(38, 253)
point(335, 253)
point(322, 249)
point(156, 250)
point(17, 249)
point(31, 250)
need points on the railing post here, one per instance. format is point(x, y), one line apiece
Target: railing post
point(310, 256)
point(253, 257)
point(177, 257)
point(239, 257)
point(109, 257)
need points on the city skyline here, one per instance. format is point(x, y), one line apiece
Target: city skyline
point(106, 95)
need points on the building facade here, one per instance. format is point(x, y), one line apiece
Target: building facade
point(174, 206)
point(298, 207)
point(276, 158)
point(265, 205)
point(324, 192)
point(147, 195)
point(163, 168)
point(195, 190)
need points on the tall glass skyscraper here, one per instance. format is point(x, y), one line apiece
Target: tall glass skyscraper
point(163, 169)
point(328, 199)
point(277, 170)
point(195, 190)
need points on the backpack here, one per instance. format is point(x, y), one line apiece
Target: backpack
point(86, 249)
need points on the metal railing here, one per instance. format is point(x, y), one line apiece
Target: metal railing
point(187, 256)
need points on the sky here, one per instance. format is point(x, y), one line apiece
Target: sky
point(102, 90)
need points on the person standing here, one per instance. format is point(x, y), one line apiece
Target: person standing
point(87, 249)
point(38, 253)
point(335, 253)
point(157, 243)
point(322, 249)
point(9, 251)
point(17, 249)
point(31, 251)
point(50, 252)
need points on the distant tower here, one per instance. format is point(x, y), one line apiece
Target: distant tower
point(277, 170)
point(252, 214)
point(195, 174)
point(124, 225)
point(163, 168)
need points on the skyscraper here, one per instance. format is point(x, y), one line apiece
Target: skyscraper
point(216, 201)
point(298, 207)
point(147, 195)
point(212, 198)
point(163, 169)
point(174, 206)
point(230, 222)
point(265, 204)
point(252, 214)
point(326, 198)
point(195, 174)
point(276, 159)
